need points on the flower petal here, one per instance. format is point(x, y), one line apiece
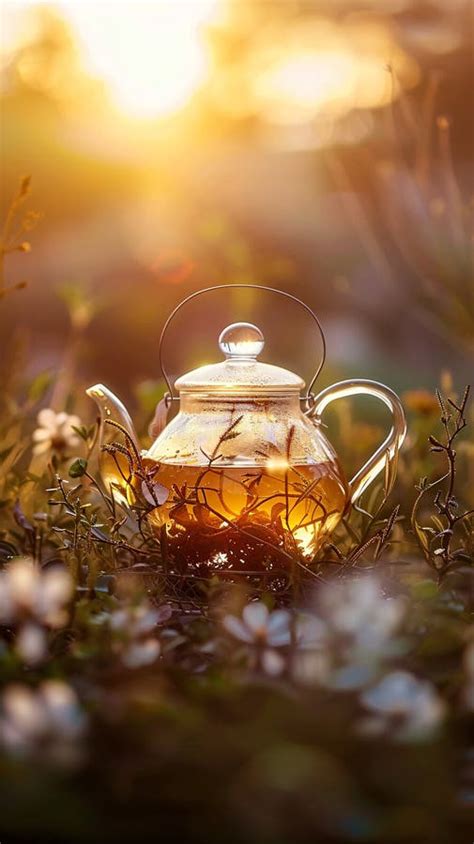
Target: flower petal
point(278, 622)
point(237, 628)
point(272, 662)
point(55, 590)
point(144, 620)
point(311, 631)
point(23, 582)
point(155, 493)
point(47, 419)
point(255, 616)
point(42, 448)
point(66, 718)
point(31, 644)
point(25, 711)
point(41, 434)
point(142, 653)
point(396, 693)
point(74, 421)
point(119, 620)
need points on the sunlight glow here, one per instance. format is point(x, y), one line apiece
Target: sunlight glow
point(152, 56)
point(277, 464)
point(303, 83)
point(327, 68)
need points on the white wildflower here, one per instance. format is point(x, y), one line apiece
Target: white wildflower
point(31, 644)
point(26, 590)
point(48, 720)
point(55, 432)
point(357, 610)
point(135, 620)
point(141, 653)
point(134, 626)
point(31, 601)
point(342, 646)
point(264, 631)
point(310, 632)
point(260, 626)
point(404, 706)
point(310, 661)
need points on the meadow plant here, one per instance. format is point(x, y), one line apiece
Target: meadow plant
point(329, 699)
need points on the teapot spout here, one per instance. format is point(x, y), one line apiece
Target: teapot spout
point(115, 426)
point(112, 409)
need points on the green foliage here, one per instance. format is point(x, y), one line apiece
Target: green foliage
point(78, 468)
point(213, 737)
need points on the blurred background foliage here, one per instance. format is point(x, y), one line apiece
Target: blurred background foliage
point(321, 147)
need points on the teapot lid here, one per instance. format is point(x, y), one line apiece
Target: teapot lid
point(240, 372)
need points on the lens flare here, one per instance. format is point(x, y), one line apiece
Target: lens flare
point(151, 56)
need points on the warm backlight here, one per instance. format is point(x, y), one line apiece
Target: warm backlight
point(152, 56)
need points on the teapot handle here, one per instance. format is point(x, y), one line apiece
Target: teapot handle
point(392, 443)
point(308, 399)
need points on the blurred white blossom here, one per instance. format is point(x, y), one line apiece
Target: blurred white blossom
point(27, 591)
point(339, 645)
point(352, 631)
point(134, 626)
point(403, 706)
point(357, 611)
point(310, 661)
point(310, 632)
point(55, 432)
point(31, 644)
point(47, 721)
point(263, 631)
point(32, 600)
point(260, 626)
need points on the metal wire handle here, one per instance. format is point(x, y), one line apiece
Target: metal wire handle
point(308, 398)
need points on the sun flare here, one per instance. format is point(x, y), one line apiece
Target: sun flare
point(151, 56)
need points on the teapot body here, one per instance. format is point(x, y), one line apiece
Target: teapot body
point(247, 479)
point(241, 480)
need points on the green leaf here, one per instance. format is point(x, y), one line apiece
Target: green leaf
point(437, 522)
point(421, 536)
point(78, 468)
point(39, 385)
point(83, 432)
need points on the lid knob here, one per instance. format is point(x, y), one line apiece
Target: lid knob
point(241, 341)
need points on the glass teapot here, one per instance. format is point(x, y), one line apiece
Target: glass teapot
point(243, 477)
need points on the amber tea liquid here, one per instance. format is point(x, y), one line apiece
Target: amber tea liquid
point(232, 517)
